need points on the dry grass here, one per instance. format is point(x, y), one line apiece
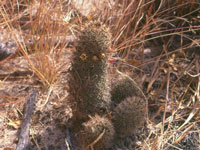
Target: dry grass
point(172, 80)
point(174, 27)
point(41, 31)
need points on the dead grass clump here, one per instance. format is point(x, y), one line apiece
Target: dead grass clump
point(136, 23)
point(48, 46)
point(43, 33)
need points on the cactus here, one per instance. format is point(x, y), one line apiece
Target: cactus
point(123, 88)
point(129, 115)
point(88, 90)
point(99, 131)
point(88, 73)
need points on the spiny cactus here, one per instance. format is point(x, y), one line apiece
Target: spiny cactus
point(88, 90)
point(123, 88)
point(99, 131)
point(129, 115)
point(88, 74)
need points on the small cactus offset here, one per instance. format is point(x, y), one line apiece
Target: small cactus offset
point(123, 88)
point(88, 74)
point(98, 132)
point(129, 115)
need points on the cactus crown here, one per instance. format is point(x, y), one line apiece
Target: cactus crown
point(92, 49)
point(122, 89)
point(94, 40)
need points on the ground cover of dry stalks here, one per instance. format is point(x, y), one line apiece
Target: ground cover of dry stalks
point(154, 42)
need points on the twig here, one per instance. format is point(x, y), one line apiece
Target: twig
point(24, 133)
point(47, 98)
point(91, 146)
point(166, 103)
point(68, 139)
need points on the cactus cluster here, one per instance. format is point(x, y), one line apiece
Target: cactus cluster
point(90, 95)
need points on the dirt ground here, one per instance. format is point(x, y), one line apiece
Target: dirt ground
point(174, 78)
